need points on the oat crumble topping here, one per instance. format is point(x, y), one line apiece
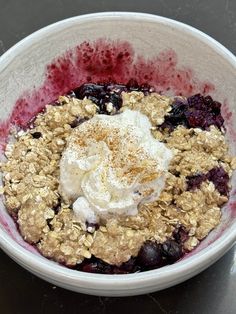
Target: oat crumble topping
point(31, 181)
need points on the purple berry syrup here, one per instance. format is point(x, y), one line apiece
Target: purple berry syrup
point(217, 175)
point(196, 111)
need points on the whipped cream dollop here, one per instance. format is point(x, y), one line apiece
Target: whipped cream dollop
point(112, 164)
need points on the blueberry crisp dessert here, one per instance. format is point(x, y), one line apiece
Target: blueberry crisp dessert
point(117, 179)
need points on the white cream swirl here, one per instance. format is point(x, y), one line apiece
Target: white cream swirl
point(111, 164)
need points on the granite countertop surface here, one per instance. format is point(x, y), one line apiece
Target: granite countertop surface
point(212, 291)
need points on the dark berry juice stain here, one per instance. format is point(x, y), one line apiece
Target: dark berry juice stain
point(194, 182)
point(196, 111)
point(96, 265)
point(104, 93)
point(220, 178)
point(99, 62)
point(217, 175)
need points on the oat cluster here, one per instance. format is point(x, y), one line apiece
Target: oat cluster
point(31, 180)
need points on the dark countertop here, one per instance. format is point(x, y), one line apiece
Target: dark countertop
point(213, 291)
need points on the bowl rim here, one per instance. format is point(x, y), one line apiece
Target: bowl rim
point(51, 269)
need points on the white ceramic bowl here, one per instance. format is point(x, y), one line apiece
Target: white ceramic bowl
point(173, 57)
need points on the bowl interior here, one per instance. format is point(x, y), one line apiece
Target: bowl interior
point(174, 59)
